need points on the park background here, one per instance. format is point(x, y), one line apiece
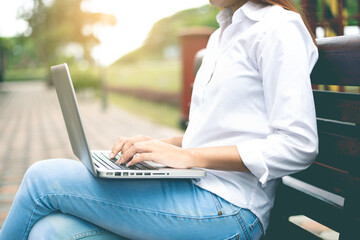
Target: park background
point(106, 45)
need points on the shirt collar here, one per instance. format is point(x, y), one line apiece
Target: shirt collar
point(252, 10)
point(224, 16)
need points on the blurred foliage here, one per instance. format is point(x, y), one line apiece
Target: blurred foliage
point(56, 24)
point(5, 45)
point(160, 76)
point(5, 49)
point(25, 74)
point(352, 10)
point(166, 32)
point(22, 53)
point(85, 78)
point(82, 77)
point(328, 9)
point(53, 26)
point(160, 113)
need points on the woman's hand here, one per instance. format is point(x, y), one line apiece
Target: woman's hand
point(124, 143)
point(170, 153)
point(156, 151)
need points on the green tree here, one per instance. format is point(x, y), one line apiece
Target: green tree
point(5, 48)
point(59, 23)
point(165, 32)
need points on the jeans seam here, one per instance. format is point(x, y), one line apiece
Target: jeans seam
point(163, 214)
point(218, 209)
point(219, 201)
point(138, 209)
point(86, 234)
point(257, 222)
point(254, 223)
point(243, 226)
point(31, 216)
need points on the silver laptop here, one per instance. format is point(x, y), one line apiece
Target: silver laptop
point(98, 162)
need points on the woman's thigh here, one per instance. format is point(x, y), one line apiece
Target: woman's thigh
point(61, 226)
point(135, 209)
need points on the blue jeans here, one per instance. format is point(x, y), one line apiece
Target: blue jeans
point(60, 199)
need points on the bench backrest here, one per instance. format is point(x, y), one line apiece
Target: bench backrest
point(329, 190)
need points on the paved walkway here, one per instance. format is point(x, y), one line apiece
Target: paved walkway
point(32, 129)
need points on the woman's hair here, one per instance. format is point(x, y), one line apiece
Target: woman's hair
point(289, 5)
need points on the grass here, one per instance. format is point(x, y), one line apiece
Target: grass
point(25, 74)
point(164, 76)
point(159, 113)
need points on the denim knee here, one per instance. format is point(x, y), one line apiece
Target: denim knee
point(51, 169)
point(65, 227)
point(46, 176)
point(43, 169)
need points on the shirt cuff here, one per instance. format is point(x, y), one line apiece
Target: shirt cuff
point(251, 155)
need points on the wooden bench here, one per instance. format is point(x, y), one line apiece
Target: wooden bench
point(329, 190)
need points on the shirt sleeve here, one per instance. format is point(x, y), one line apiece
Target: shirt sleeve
point(285, 57)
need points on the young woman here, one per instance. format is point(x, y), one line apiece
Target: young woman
point(252, 121)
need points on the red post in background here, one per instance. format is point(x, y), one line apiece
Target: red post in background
point(192, 40)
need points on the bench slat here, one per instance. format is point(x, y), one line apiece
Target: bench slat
point(295, 198)
point(337, 106)
point(312, 207)
point(316, 192)
point(338, 128)
point(339, 61)
point(336, 170)
point(329, 179)
point(287, 229)
point(352, 209)
point(339, 152)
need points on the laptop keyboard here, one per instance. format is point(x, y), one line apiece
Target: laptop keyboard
point(110, 163)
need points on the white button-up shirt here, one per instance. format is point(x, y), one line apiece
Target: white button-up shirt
point(253, 91)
